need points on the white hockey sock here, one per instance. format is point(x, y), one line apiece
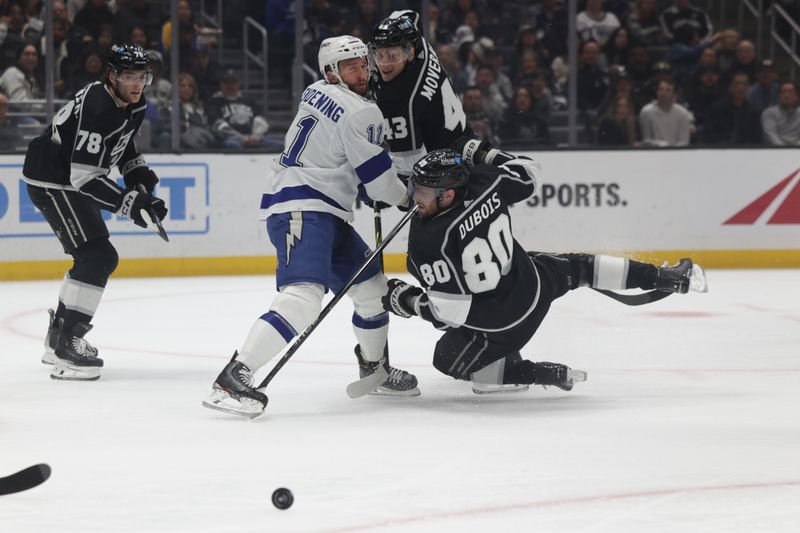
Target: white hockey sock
point(295, 307)
point(491, 374)
point(610, 273)
point(79, 296)
point(371, 334)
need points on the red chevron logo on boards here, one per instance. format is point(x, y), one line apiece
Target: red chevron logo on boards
point(785, 194)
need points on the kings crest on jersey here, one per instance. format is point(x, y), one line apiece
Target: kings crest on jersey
point(420, 108)
point(475, 273)
point(89, 135)
point(332, 146)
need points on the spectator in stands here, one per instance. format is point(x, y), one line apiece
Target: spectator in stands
point(60, 12)
point(494, 59)
point(234, 119)
point(744, 61)
point(438, 32)
point(493, 102)
point(781, 123)
point(12, 35)
point(664, 122)
point(185, 18)
point(521, 121)
point(139, 36)
point(93, 15)
point(732, 120)
point(477, 118)
point(105, 37)
point(596, 24)
point(542, 97)
point(60, 52)
point(206, 71)
point(705, 90)
point(639, 67)
point(19, 81)
point(8, 127)
point(365, 18)
point(645, 25)
point(682, 13)
point(615, 51)
point(726, 49)
point(91, 70)
point(132, 14)
point(621, 85)
point(617, 126)
point(647, 92)
point(685, 51)
point(526, 39)
point(551, 24)
point(195, 131)
point(527, 65)
point(592, 81)
point(764, 92)
point(448, 58)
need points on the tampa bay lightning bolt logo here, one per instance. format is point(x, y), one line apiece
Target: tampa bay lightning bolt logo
point(294, 234)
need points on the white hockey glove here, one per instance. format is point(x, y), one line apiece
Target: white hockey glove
point(524, 167)
point(401, 298)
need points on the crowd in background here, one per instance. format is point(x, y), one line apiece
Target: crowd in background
point(649, 72)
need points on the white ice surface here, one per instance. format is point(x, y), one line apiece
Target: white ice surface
point(689, 421)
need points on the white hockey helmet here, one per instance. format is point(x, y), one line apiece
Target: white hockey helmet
point(335, 49)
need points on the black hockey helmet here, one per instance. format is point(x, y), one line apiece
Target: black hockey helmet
point(440, 169)
point(399, 29)
point(127, 57)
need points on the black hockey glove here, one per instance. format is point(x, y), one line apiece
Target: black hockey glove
point(134, 203)
point(141, 175)
point(472, 151)
point(401, 297)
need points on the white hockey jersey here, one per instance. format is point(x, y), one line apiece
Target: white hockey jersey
point(332, 146)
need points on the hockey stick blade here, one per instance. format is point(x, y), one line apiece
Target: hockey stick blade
point(635, 299)
point(154, 221)
point(24, 479)
point(367, 384)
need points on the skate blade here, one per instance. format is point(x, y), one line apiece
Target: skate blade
point(64, 371)
point(480, 388)
point(382, 391)
point(222, 401)
point(576, 376)
point(698, 281)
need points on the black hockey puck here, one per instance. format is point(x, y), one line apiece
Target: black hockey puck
point(282, 498)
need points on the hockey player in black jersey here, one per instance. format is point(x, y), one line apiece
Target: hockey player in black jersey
point(421, 111)
point(66, 170)
point(481, 287)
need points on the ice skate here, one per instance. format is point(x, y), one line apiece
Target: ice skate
point(72, 359)
point(682, 277)
point(48, 357)
point(557, 374)
point(399, 382)
point(233, 392)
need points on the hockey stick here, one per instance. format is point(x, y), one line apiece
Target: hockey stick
point(327, 309)
point(153, 218)
point(24, 479)
point(635, 299)
point(378, 231)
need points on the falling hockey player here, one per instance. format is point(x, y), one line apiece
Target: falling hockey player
point(481, 287)
point(332, 147)
point(66, 170)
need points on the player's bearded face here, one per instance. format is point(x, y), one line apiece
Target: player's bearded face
point(391, 61)
point(131, 84)
point(426, 198)
point(355, 74)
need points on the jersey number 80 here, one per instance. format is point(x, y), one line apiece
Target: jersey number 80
point(483, 261)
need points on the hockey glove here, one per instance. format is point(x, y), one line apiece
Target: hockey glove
point(469, 150)
point(401, 297)
point(134, 203)
point(141, 175)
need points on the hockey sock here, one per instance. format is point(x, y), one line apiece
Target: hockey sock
point(615, 273)
point(77, 301)
point(372, 334)
point(268, 336)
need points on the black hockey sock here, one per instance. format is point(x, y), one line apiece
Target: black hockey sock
point(71, 317)
point(641, 275)
point(520, 373)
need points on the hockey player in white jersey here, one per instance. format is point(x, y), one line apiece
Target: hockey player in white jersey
point(332, 147)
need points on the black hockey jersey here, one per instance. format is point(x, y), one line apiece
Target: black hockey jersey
point(89, 135)
point(476, 275)
point(421, 111)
